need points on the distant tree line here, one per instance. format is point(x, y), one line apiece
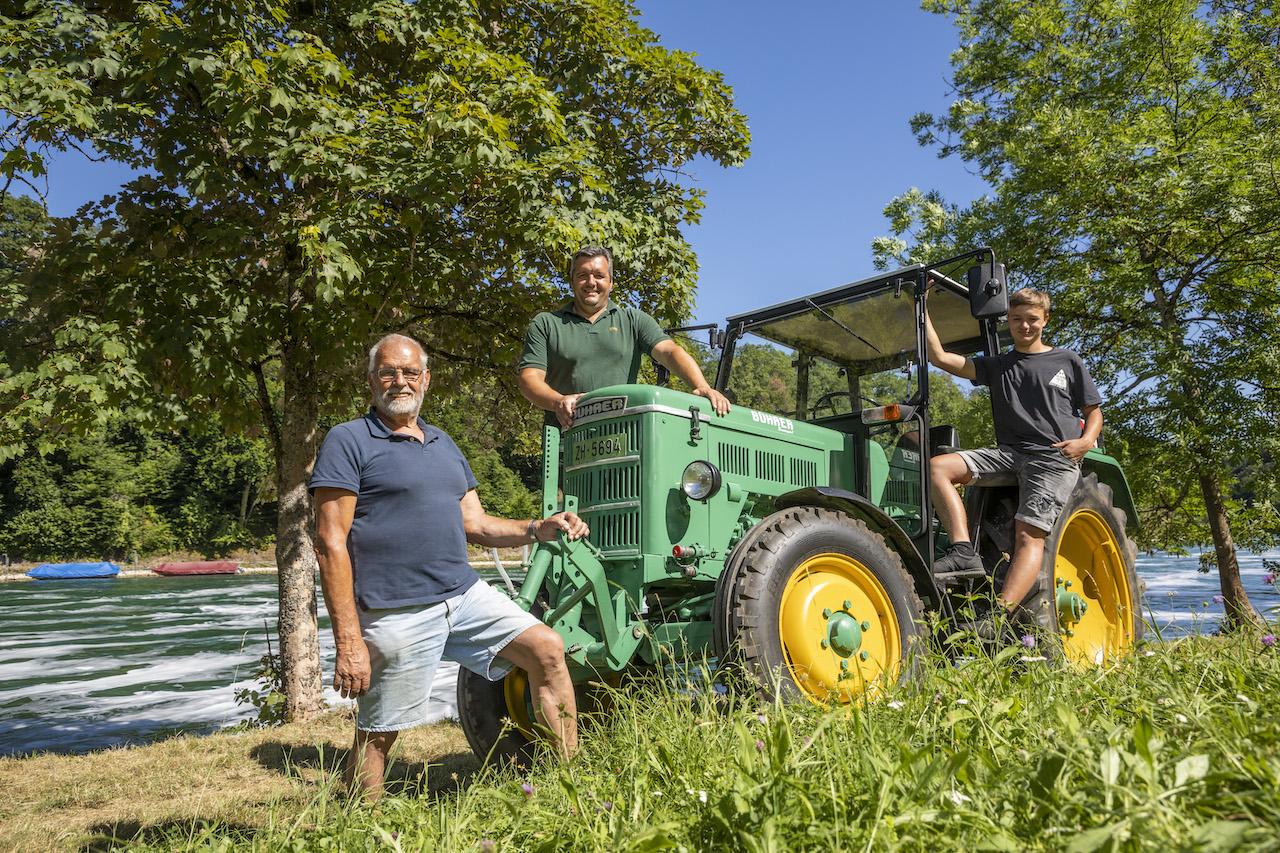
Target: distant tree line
point(127, 492)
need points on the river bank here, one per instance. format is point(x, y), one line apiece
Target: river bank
point(250, 562)
point(96, 664)
point(1177, 747)
point(243, 781)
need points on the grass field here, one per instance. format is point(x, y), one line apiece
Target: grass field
point(1175, 749)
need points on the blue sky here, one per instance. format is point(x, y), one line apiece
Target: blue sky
point(828, 88)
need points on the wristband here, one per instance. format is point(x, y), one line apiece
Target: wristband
point(532, 530)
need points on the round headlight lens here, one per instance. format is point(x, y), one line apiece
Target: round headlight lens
point(700, 480)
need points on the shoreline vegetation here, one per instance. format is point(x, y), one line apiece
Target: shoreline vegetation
point(1177, 747)
point(251, 562)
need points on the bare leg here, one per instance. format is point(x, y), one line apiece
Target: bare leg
point(945, 473)
point(1028, 554)
point(367, 763)
point(539, 651)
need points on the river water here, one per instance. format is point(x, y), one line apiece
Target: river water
point(99, 663)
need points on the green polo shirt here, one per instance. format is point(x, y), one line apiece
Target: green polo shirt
point(580, 356)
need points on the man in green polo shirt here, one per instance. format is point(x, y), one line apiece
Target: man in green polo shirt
point(591, 343)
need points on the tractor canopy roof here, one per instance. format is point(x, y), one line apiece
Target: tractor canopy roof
point(868, 325)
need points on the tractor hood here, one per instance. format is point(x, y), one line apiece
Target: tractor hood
point(619, 400)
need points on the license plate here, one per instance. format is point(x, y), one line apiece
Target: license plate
point(595, 449)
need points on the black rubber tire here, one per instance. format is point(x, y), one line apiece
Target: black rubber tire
point(482, 711)
point(1041, 605)
point(746, 635)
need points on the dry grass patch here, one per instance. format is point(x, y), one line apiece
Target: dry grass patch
point(241, 781)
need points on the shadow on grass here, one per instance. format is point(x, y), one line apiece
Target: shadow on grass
point(445, 774)
point(110, 836)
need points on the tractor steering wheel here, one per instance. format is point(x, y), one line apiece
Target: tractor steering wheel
point(828, 400)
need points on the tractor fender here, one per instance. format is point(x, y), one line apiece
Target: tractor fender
point(1108, 471)
point(859, 507)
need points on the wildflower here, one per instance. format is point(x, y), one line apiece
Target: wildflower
point(895, 705)
point(607, 806)
point(657, 793)
point(1269, 640)
point(759, 746)
point(527, 789)
point(1269, 578)
point(488, 845)
point(807, 740)
point(702, 797)
point(1028, 641)
point(394, 835)
point(762, 719)
point(962, 701)
point(1217, 599)
point(1180, 718)
point(958, 798)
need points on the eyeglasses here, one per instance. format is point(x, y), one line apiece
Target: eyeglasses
point(411, 374)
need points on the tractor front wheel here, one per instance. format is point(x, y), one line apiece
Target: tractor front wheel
point(497, 716)
point(1087, 599)
point(817, 606)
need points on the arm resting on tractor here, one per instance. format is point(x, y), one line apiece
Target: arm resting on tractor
point(485, 529)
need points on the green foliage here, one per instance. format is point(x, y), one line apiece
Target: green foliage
point(1131, 152)
point(127, 491)
point(1176, 748)
point(312, 175)
point(266, 695)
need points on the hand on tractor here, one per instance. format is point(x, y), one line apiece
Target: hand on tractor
point(564, 409)
point(351, 674)
point(1074, 448)
point(544, 530)
point(719, 402)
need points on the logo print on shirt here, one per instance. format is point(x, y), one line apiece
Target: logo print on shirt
point(1059, 380)
point(614, 329)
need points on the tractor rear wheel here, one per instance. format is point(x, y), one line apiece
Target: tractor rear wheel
point(497, 717)
point(1087, 599)
point(817, 606)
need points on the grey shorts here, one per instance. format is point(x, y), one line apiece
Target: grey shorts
point(406, 645)
point(1045, 479)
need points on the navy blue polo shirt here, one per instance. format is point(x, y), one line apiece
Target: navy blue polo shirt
point(407, 543)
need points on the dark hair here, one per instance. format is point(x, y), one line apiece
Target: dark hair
point(590, 252)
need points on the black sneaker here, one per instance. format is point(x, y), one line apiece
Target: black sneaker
point(955, 564)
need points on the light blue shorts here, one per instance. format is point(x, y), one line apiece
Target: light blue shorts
point(406, 645)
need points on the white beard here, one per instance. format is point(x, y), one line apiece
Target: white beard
point(398, 406)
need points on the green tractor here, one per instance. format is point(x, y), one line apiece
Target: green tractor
point(797, 544)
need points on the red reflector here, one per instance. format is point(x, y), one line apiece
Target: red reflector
point(677, 551)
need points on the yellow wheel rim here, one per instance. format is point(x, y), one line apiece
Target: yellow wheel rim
point(515, 689)
point(830, 659)
point(1089, 563)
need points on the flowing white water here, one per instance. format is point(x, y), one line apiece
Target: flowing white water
point(100, 663)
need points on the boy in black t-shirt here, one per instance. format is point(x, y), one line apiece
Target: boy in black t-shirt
point(1039, 394)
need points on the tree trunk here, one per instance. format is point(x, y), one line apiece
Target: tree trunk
point(295, 551)
point(1240, 612)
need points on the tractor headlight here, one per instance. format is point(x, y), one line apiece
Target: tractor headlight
point(700, 480)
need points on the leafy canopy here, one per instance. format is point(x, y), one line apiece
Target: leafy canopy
point(1132, 153)
point(321, 172)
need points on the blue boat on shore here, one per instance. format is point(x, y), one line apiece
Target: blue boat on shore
point(64, 571)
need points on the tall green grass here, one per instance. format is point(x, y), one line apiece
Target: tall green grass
point(1177, 748)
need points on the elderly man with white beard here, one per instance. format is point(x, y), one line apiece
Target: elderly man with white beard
point(396, 504)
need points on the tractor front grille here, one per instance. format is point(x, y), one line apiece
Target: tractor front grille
point(608, 491)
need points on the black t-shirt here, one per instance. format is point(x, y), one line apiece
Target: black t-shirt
point(1037, 398)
